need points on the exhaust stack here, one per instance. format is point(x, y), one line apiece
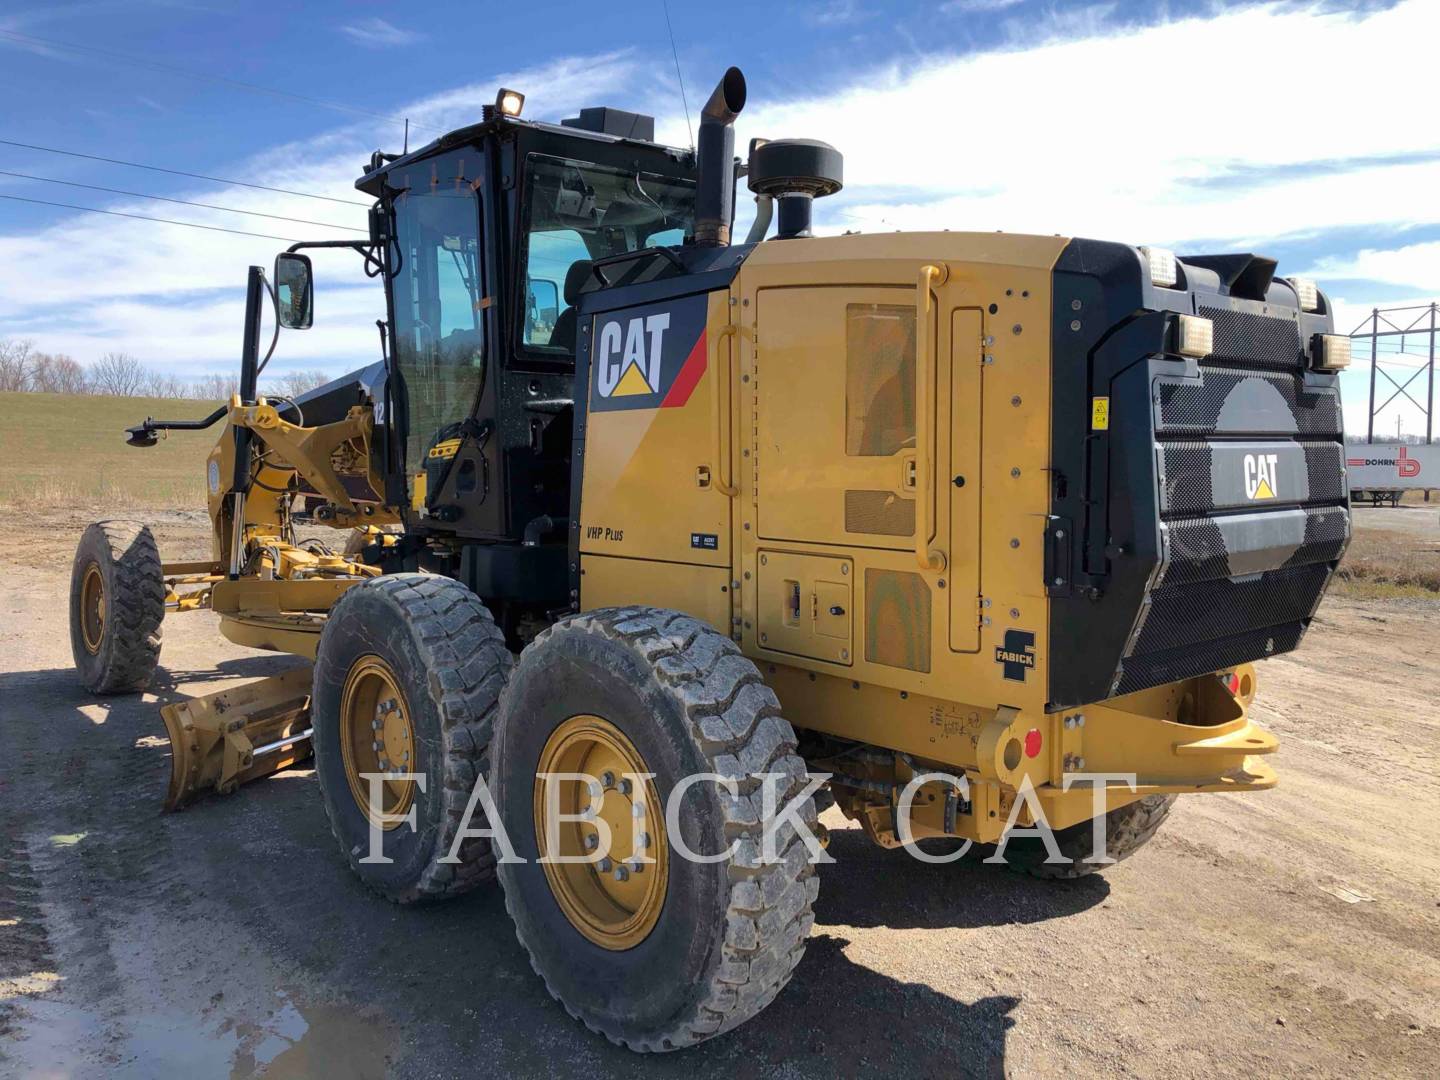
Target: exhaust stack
point(715, 152)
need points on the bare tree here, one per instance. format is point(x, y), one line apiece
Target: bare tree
point(17, 361)
point(57, 374)
point(158, 384)
point(294, 383)
point(214, 387)
point(70, 376)
point(118, 374)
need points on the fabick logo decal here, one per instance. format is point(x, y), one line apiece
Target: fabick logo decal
point(648, 357)
point(1261, 476)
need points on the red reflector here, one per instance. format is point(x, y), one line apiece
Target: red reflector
point(1032, 742)
point(1232, 683)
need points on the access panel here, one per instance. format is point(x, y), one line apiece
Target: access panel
point(834, 440)
point(804, 604)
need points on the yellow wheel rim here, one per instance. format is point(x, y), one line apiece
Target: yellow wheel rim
point(615, 901)
point(92, 608)
point(377, 736)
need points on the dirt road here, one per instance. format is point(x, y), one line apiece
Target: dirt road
point(1289, 932)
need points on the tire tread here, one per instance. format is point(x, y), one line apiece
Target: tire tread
point(735, 721)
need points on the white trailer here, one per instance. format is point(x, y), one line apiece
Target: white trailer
point(1380, 473)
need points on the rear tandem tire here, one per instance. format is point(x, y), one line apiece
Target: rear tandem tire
point(435, 647)
point(117, 602)
point(723, 937)
point(1127, 829)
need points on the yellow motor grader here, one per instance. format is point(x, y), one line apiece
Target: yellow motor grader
point(630, 505)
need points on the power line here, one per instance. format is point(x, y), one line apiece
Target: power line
point(155, 65)
point(181, 202)
point(146, 217)
point(181, 172)
point(676, 53)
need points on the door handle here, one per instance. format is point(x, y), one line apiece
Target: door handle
point(723, 481)
point(926, 364)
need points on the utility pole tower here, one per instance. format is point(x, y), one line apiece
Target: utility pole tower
point(1392, 334)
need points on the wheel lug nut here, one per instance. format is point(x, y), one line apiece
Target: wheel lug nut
point(636, 866)
point(626, 787)
point(592, 841)
point(377, 745)
point(605, 865)
point(644, 840)
point(621, 873)
point(607, 779)
point(377, 724)
point(594, 788)
point(637, 810)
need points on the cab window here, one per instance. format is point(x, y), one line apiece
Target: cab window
point(439, 349)
point(579, 212)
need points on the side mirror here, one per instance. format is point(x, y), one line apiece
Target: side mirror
point(541, 310)
point(294, 293)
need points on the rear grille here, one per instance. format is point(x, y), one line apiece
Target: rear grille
point(1139, 672)
point(1192, 468)
point(1228, 402)
point(1251, 499)
point(1180, 615)
point(1248, 338)
point(1197, 549)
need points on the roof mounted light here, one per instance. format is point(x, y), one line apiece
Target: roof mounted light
point(509, 102)
point(1164, 270)
point(1307, 292)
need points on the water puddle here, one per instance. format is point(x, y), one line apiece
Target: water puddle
point(291, 1041)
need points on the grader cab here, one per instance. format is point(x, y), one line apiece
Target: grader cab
point(646, 526)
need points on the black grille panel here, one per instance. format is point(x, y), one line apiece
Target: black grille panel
point(1247, 338)
point(1183, 615)
point(1198, 549)
point(1197, 552)
point(1327, 532)
point(1141, 672)
point(1281, 405)
point(1190, 472)
point(1245, 563)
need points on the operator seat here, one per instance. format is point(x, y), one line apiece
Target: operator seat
point(563, 336)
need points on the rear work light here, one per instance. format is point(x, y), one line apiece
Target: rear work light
point(1330, 352)
point(1194, 335)
point(1307, 292)
point(1163, 269)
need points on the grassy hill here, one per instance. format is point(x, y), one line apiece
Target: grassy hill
point(64, 449)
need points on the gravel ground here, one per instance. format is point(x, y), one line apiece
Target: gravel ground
point(1292, 932)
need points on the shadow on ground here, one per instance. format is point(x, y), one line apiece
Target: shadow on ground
point(255, 880)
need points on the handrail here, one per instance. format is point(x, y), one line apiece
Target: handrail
point(724, 480)
point(926, 363)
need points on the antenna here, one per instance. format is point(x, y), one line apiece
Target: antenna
point(407, 136)
point(676, 53)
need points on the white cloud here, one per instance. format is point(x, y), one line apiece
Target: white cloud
point(837, 13)
point(1415, 265)
point(174, 296)
point(376, 33)
point(1104, 136)
point(973, 7)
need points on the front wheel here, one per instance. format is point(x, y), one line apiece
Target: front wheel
point(407, 680)
point(644, 945)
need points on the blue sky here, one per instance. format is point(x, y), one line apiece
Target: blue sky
point(1301, 130)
